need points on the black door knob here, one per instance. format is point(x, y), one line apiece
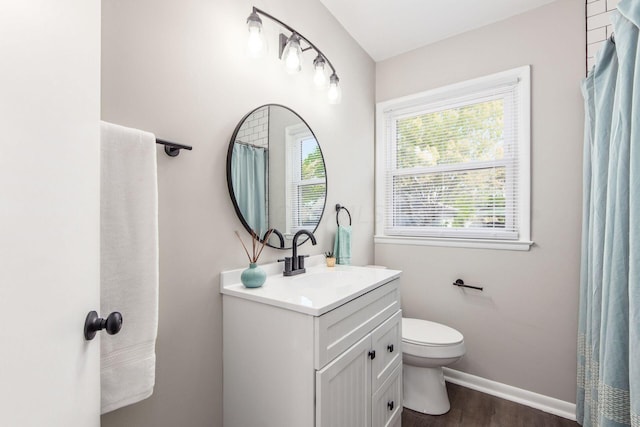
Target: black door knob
point(390, 405)
point(112, 324)
point(390, 348)
point(372, 354)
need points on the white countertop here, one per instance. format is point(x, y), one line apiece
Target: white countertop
point(319, 290)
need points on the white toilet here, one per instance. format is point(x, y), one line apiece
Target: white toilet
point(426, 348)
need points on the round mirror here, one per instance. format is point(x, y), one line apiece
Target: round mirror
point(276, 174)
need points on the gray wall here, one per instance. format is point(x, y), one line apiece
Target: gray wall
point(522, 329)
point(177, 68)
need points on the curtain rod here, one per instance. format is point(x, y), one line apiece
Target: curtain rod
point(251, 145)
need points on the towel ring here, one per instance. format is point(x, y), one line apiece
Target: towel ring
point(338, 208)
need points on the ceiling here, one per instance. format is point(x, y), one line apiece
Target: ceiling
point(386, 28)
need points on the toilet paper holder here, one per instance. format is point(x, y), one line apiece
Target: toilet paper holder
point(460, 283)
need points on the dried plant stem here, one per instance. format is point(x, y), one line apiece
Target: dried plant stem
point(264, 242)
point(245, 248)
point(253, 247)
point(256, 245)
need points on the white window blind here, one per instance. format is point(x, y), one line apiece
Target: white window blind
point(453, 162)
point(305, 180)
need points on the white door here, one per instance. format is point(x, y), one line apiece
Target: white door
point(343, 389)
point(49, 212)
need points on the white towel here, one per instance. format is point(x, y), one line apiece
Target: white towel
point(128, 263)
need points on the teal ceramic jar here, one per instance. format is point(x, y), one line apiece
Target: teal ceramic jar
point(253, 277)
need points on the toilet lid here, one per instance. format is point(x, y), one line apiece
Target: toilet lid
point(423, 332)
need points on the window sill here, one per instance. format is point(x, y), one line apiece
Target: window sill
point(508, 245)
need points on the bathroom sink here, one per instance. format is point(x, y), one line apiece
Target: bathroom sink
point(327, 279)
point(315, 292)
point(313, 287)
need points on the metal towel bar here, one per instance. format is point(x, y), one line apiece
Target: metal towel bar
point(172, 148)
point(338, 209)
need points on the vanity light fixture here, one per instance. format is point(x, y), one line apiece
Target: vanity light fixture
point(256, 43)
point(290, 52)
point(335, 95)
point(319, 74)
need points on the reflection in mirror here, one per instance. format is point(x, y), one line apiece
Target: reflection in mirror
point(276, 174)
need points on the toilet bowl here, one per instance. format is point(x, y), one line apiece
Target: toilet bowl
point(426, 348)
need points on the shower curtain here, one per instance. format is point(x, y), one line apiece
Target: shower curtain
point(609, 320)
point(249, 177)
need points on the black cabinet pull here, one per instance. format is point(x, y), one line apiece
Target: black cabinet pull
point(390, 405)
point(372, 354)
point(92, 324)
point(390, 348)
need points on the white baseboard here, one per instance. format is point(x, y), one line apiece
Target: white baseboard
point(514, 394)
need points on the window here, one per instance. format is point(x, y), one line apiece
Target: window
point(305, 179)
point(453, 165)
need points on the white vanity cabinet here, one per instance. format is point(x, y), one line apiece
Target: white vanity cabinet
point(319, 366)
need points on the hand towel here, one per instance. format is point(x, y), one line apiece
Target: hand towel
point(128, 263)
point(342, 245)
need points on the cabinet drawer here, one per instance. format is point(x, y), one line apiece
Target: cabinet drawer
point(339, 329)
point(386, 408)
point(386, 342)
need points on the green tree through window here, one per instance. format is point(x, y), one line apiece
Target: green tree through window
point(471, 198)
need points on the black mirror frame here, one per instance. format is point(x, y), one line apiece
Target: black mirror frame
point(230, 184)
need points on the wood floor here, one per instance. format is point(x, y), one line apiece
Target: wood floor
point(470, 408)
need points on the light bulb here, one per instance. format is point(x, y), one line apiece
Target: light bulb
point(256, 44)
point(292, 54)
point(293, 61)
point(334, 94)
point(319, 76)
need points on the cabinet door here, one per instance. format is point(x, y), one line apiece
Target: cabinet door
point(386, 342)
point(343, 389)
point(387, 402)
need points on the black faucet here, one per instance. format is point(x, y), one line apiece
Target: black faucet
point(295, 264)
point(277, 233)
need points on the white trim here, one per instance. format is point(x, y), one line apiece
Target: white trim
point(544, 403)
point(454, 90)
point(294, 135)
point(512, 245)
point(524, 159)
point(520, 76)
